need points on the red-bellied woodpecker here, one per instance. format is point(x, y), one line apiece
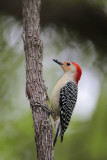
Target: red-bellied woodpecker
point(64, 97)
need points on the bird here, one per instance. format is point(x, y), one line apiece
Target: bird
point(64, 96)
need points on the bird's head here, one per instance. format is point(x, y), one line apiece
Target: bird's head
point(71, 67)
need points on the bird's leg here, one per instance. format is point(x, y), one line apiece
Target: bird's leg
point(45, 108)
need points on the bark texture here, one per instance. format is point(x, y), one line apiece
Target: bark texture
point(35, 87)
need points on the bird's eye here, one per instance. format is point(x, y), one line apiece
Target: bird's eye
point(68, 64)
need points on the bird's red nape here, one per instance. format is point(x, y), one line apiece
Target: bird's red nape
point(78, 73)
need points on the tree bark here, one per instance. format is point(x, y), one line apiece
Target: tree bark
point(35, 87)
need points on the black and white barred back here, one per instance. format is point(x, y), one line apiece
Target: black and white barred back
point(68, 98)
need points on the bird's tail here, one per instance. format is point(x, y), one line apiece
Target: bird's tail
point(62, 138)
point(57, 131)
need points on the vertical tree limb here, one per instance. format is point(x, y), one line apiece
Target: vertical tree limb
point(35, 87)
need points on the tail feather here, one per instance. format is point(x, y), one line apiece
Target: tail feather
point(56, 137)
point(57, 133)
point(62, 138)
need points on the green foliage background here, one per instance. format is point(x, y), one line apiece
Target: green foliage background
point(16, 126)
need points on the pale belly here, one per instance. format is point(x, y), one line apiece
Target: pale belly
point(55, 98)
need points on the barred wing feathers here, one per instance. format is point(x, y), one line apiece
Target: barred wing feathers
point(68, 98)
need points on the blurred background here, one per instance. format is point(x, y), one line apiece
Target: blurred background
point(71, 30)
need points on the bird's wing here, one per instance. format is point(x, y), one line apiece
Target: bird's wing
point(68, 97)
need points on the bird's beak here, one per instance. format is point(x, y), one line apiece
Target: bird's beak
point(58, 62)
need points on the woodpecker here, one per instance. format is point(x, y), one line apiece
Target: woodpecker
point(64, 97)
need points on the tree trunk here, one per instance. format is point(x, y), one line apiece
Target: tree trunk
point(35, 87)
